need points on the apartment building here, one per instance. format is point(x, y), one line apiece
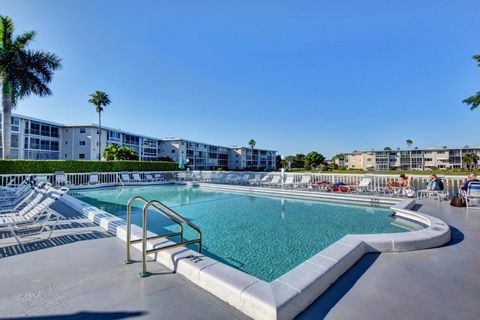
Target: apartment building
point(34, 139)
point(414, 159)
point(43, 140)
point(198, 155)
point(244, 158)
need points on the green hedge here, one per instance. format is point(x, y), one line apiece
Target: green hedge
point(73, 166)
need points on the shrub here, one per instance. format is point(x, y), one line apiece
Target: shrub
point(74, 166)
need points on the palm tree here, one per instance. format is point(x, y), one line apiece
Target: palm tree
point(99, 99)
point(470, 159)
point(409, 144)
point(22, 72)
point(474, 101)
point(252, 144)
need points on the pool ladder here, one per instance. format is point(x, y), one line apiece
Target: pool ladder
point(169, 214)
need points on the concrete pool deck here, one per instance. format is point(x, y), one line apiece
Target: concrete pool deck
point(88, 276)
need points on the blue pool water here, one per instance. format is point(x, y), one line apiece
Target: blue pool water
point(262, 236)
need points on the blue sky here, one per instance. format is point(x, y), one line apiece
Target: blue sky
point(331, 76)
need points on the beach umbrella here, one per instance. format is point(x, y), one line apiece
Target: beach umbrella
point(181, 164)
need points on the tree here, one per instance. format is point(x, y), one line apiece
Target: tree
point(296, 161)
point(314, 159)
point(387, 149)
point(22, 72)
point(278, 162)
point(470, 159)
point(474, 101)
point(409, 143)
point(99, 99)
point(113, 152)
point(110, 152)
point(252, 144)
point(124, 153)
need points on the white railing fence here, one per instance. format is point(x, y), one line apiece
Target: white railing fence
point(79, 179)
point(451, 183)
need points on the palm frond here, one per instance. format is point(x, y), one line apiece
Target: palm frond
point(477, 58)
point(23, 40)
point(6, 31)
point(473, 101)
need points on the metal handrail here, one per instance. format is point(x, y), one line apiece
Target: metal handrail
point(129, 226)
point(166, 212)
point(156, 204)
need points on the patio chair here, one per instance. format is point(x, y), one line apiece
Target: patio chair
point(304, 182)
point(276, 181)
point(40, 213)
point(93, 178)
point(61, 179)
point(256, 179)
point(265, 179)
point(158, 176)
point(31, 199)
point(244, 179)
point(472, 195)
point(218, 178)
point(125, 177)
point(229, 178)
point(15, 192)
point(435, 194)
point(148, 177)
point(136, 177)
point(289, 181)
point(364, 185)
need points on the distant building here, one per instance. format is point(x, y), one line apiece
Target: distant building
point(37, 139)
point(413, 159)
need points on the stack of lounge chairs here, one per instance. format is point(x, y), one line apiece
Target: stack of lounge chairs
point(29, 213)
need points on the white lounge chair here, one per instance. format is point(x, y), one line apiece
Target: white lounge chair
point(148, 177)
point(472, 195)
point(136, 177)
point(276, 181)
point(158, 176)
point(40, 213)
point(244, 179)
point(93, 178)
point(256, 179)
point(125, 177)
point(10, 193)
point(61, 179)
point(32, 198)
point(363, 185)
point(218, 178)
point(289, 181)
point(304, 182)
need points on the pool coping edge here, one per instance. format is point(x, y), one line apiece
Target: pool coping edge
point(291, 293)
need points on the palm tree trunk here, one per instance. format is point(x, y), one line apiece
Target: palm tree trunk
point(6, 122)
point(100, 136)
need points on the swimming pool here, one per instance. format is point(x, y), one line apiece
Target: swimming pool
point(263, 236)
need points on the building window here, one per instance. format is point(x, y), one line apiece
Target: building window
point(81, 156)
point(82, 143)
point(65, 155)
point(173, 150)
point(83, 130)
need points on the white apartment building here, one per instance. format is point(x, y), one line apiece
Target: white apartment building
point(37, 139)
point(413, 159)
point(243, 158)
